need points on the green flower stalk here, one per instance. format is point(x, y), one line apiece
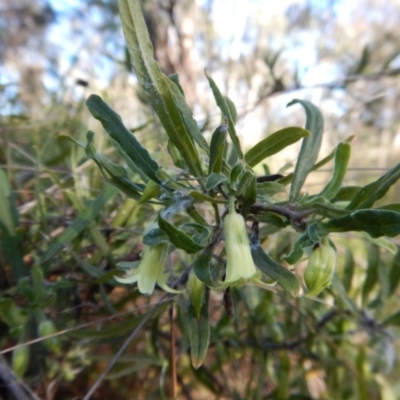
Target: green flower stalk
point(240, 267)
point(150, 270)
point(320, 268)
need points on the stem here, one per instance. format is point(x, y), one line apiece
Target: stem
point(231, 204)
point(173, 352)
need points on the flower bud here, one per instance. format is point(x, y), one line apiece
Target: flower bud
point(47, 328)
point(320, 268)
point(196, 292)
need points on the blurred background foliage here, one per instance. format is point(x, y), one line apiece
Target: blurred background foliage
point(343, 56)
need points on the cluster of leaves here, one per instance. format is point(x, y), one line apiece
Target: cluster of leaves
point(286, 345)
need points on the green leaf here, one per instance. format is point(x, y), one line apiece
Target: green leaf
point(154, 237)
point(247, 188)
point(392, 207)
point(177, 237)
point(327, 210)
point(342, 156)
point(187, 117)
point(274, 143)
point(394, 274)
point(175, 155)
point(175, 78)
point(11, 245)
point(164, 96)
point(232, 109)
point(20, 360)
point(346, 193)
point(277, 272)
point(372, 275)
point(375, 222)
point(226, 112)
point(309, 149)
point(217, 147)
point(12, 315)
point(348, 270)
point(115, 174)
point(202, 265)
point(310, 237)
point(368, 195)
point(393, 320)
point(236, 172)
point(204, 197)
point(214, 180)
point(270, 188)
point(84, 219)
point(199, 334)
point(113, 125)
point(288, 178)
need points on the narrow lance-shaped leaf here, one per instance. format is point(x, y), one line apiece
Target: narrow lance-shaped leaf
point(288, 178)
point(112, 123)
point(250, 192)
point(309, 149)
point(199, 333)
point(187, 117)
point(342, 156)
point(394, 275)
point(115, 174)
point(283, 276)
point(372, 275)
point(217, 147)
point(214, 180)
point(225, 109)
point(274, 143)
point(162, 93)
point(177, 237)
point(368, 195)
point(10, 240)
point(375, 222)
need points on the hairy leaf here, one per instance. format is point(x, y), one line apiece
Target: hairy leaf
point(375, 222)
point(163, 94)
point(368, 195)
point(226, 112)
point(112, 123)
point(177, 237)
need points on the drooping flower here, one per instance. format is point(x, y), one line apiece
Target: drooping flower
point(321, 266)
point(150, 270)
point(240, 267)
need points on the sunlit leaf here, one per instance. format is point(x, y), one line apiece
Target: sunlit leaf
point(226, 112)
point(342, 156)
point(163, 94)
point(274, 143)
point(368, 195)
point(309, 149)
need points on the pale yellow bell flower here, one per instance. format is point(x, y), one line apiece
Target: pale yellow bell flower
point(240, 267)
point(150, 270)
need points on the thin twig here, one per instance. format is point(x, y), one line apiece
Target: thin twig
point(120, 351)
point(173, 352)
point(182, 279)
